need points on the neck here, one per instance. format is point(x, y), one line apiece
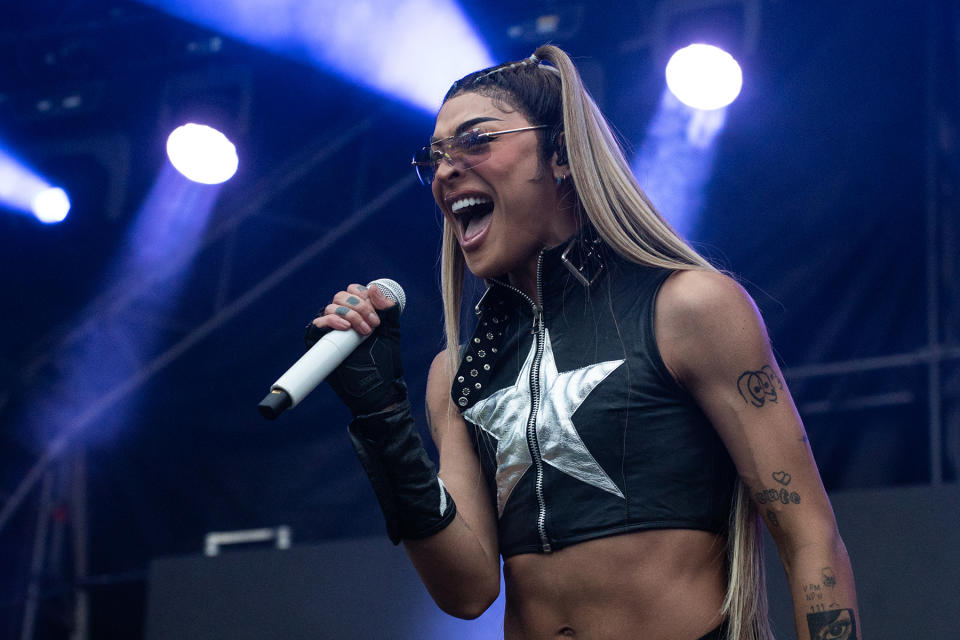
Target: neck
point(525, 279)
point(565, 224)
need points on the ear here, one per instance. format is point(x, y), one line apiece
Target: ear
point(559, 160)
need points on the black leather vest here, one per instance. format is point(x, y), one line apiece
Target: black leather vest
point(580, 429)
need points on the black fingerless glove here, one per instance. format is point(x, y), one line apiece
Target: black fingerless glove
point(371, 378)
point(414, 502)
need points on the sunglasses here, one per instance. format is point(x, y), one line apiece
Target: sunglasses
point(463, 151)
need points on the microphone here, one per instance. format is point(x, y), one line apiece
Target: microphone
point(322, 358)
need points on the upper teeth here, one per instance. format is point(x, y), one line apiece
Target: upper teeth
point(467, 202)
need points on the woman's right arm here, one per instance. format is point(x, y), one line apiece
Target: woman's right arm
point(456, 555)
point(459, 565)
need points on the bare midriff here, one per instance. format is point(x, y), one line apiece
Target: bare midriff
point(665, 584)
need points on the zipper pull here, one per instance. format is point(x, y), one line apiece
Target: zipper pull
point(537, 319)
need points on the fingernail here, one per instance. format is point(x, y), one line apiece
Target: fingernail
point(365, 328)
point(373, 319)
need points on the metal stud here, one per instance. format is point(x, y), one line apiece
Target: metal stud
point(478, 385)
point(486, 367)
point(482, 353)
point(462, 402)
point(469, 358)
point(460, 378)
point(473, 373)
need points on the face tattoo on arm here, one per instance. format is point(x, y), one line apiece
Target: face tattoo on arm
point(759, 387)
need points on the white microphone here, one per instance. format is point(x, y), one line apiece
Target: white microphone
point(322, 358)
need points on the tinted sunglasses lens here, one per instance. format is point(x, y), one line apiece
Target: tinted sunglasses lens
point(425, 173)
point(423, 163)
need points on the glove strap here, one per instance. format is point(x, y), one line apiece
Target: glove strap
point(414, 502)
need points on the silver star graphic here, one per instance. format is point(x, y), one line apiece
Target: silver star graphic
point(504, 416)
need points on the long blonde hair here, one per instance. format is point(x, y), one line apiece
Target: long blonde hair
point(609, 195)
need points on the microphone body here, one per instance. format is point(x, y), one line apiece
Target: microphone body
point(315, 365)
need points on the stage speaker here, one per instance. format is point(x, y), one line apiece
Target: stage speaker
point(361, 588)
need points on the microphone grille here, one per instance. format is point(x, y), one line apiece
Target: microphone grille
point(392, 290)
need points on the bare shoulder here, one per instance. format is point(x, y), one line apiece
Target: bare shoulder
point(440, 375)
point(698, 295)
point(705, 317)
point(440, 410)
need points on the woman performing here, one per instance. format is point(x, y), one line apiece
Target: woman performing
point(615, 427)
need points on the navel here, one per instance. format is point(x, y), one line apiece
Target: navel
point(566, 632)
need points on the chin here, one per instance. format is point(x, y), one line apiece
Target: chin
point(483, 266)
point(482, 270)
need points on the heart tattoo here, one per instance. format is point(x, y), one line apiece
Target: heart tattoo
point(782, 477)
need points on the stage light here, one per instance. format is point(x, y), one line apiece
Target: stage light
point(23, 191)
point(51, 205)
point(409, 49)
point(202, 153)
point(704, 77)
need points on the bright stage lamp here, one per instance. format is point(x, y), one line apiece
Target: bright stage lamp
point(704, 77)
point(51, 205)
point(202, 153)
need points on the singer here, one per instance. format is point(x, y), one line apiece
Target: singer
point(615, 426)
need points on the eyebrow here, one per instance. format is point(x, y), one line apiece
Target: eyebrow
point(466, 125)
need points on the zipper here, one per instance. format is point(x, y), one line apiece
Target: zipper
point(532, 443)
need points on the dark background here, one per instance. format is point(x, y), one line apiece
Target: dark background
point(832, 200)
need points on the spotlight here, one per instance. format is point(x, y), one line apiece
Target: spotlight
point(202, 153)
point(704, 77)
point(51, 205)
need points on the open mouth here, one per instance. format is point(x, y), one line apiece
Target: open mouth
point(473, 213)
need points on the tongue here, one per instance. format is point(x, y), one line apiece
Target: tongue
point(476, 225)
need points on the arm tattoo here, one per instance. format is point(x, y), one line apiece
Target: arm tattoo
point(836, 624)
point(772, 518)
point(759, 387)
point(785, 497)
point(430, 426)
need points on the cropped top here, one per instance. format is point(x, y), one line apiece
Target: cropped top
point(580, 429)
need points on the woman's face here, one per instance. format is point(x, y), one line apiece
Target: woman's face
point(505, 209)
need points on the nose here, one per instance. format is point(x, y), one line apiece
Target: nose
point(447, 168)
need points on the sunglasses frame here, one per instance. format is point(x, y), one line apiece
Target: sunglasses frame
point(474, 136)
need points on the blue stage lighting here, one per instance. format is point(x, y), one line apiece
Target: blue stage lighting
point(704, 77)
point(409, 49)
point(676, 160)
point(202, 153)
point(22, 190)
point(51, 205)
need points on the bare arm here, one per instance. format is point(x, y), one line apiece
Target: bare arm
point(460, 565)
point(712, 338)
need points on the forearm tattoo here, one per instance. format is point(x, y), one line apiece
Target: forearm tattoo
point(781, 495)
point(772, 518)
point(759, 387)
point(834, 624)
